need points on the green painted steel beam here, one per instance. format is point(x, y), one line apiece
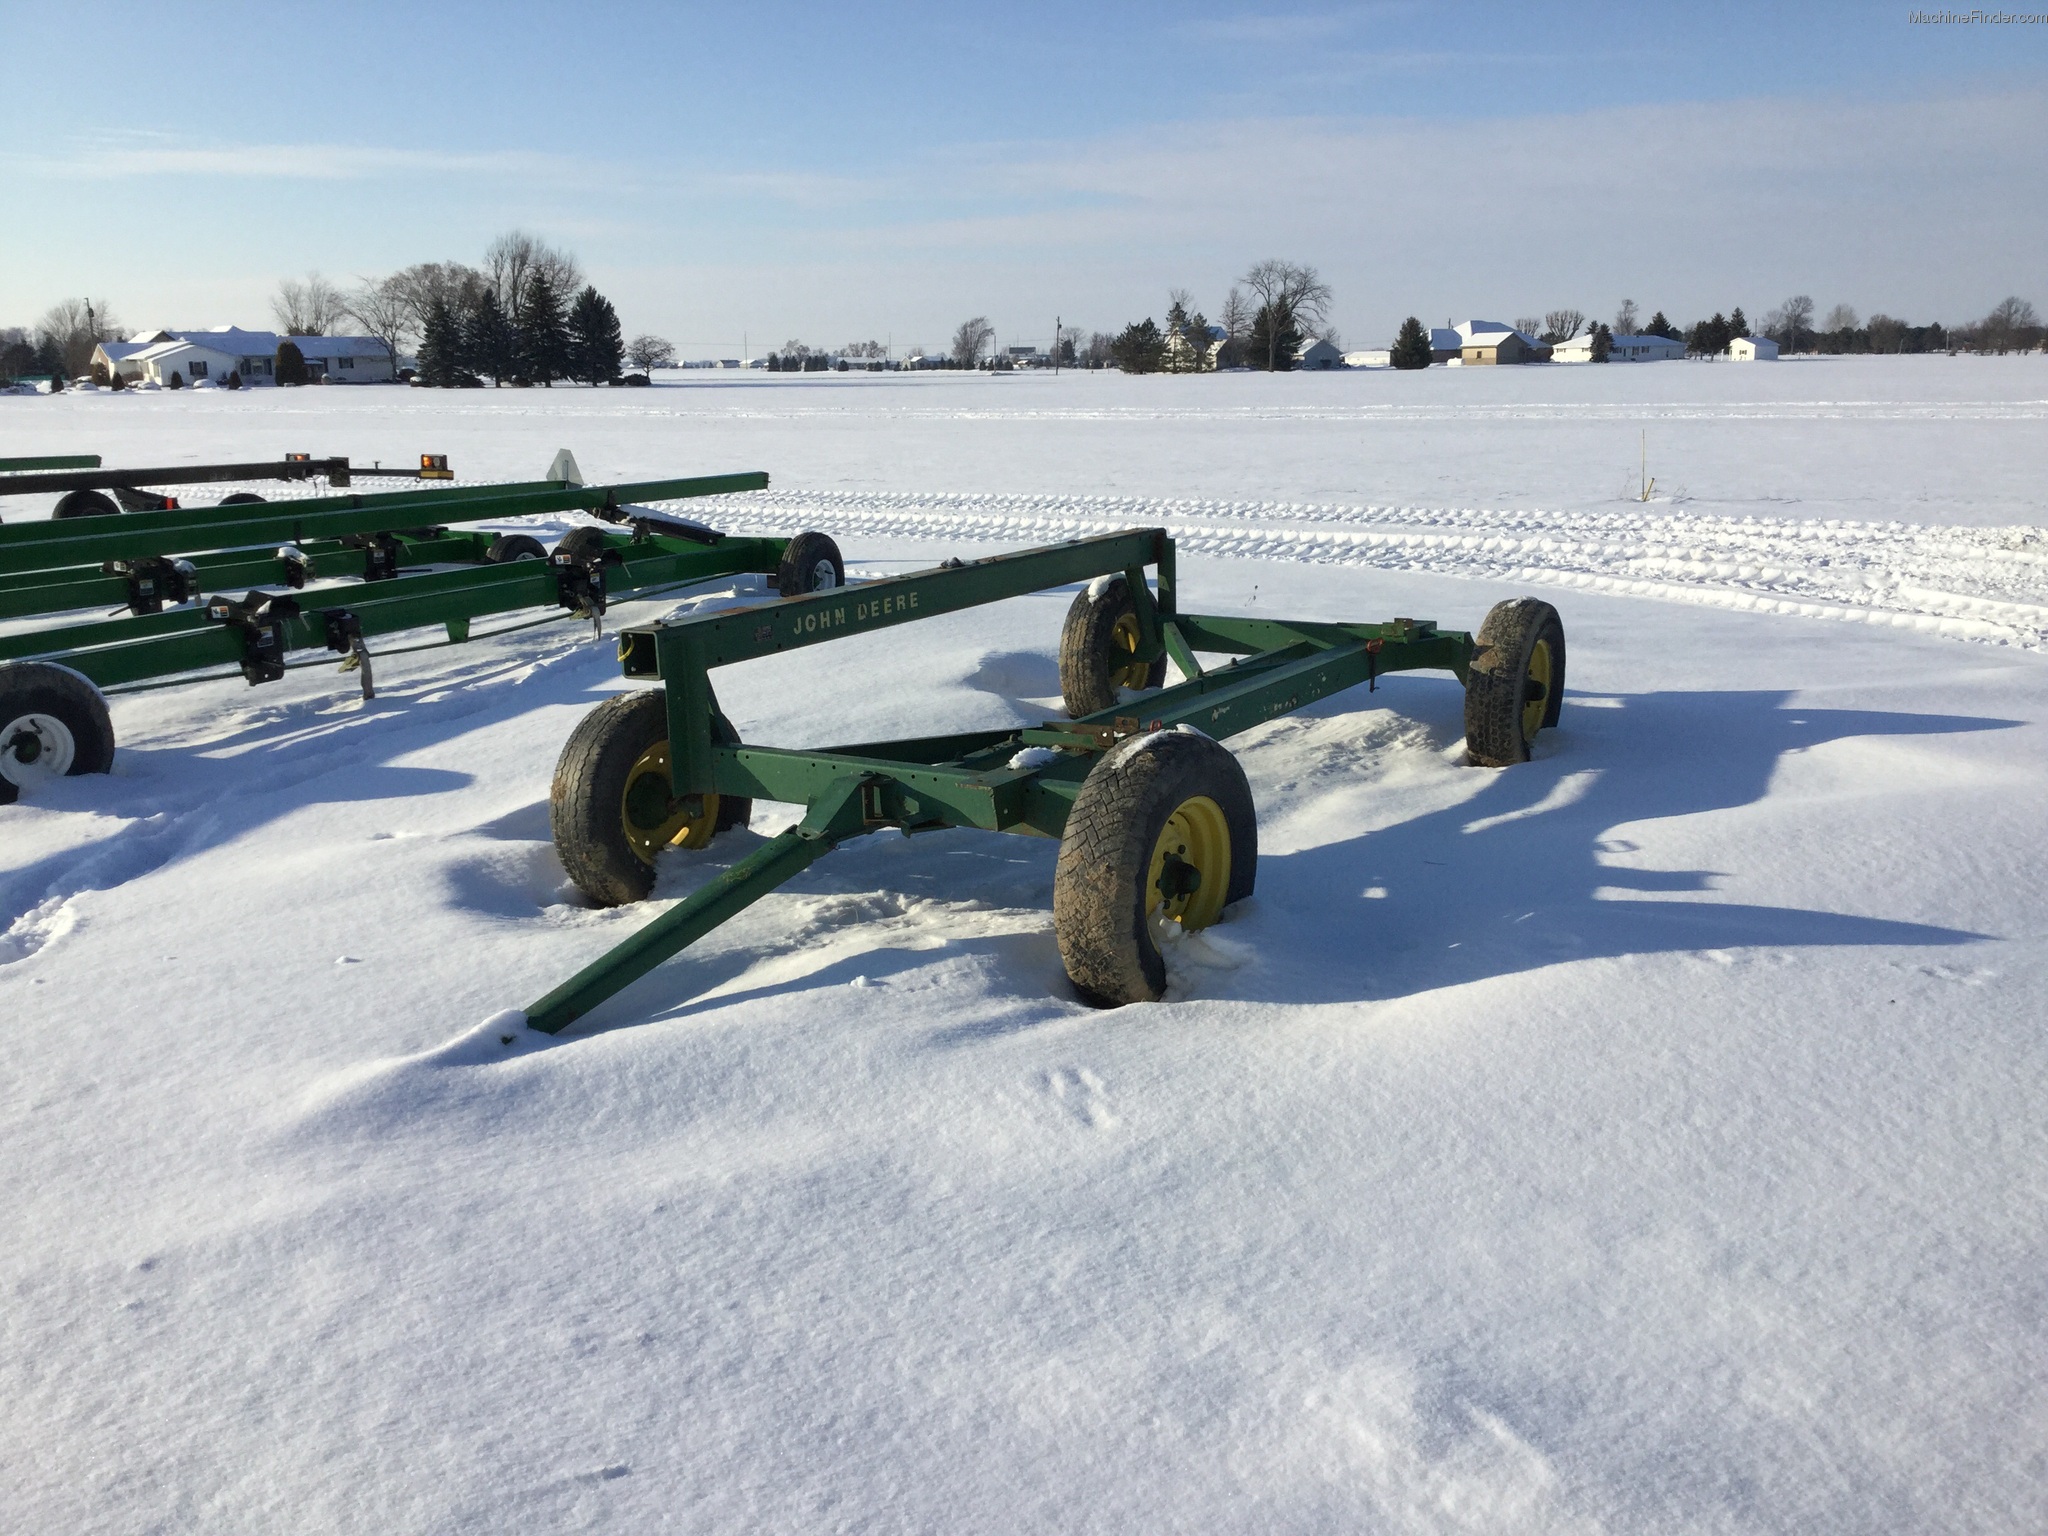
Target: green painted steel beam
point(834, 815)
point(32, 592)
point(683, 651)
point(93, 478)
point(141, 535)
point(47, 461)
point(139, 648)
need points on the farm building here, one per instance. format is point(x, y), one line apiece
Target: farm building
point(1753, 349)
point(1315, 353)
point(1485, 342)
point(1371, 357)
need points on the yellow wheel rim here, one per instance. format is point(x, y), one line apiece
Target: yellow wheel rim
point(651, 823)
point(1190, 871)
point(1123, 671)
point(1536, 700)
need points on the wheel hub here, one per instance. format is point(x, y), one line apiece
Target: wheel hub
point(35, 747)
point(1124, 671)
point(1536, 690)
point(1190, 869)
point(823, 577)
point(653, 818)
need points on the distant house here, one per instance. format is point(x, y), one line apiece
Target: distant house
point(154, 356)
point(1753, 349)
point(118, 357)
point(1179, 346)
point(340, 359)
point(1315, 353)
point(1487, 342)
point(1624, 349)
point(1375, 357)
point(1445, 344)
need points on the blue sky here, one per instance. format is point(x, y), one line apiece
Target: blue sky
point(838, 172)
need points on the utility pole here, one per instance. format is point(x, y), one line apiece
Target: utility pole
point(1056, 319)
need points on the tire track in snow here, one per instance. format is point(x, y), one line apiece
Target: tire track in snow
point(1983, 584)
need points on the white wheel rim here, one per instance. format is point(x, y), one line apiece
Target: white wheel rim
point(824, 577)
point(35, 747)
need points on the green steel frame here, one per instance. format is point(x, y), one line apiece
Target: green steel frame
point(51, 546)
point(979, 779)
point(135, 648)
point(44, 571)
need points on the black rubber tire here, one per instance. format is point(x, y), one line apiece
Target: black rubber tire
point(590, 782)
point(242, 499)
point(1098, 892)
point(811, 564)
point(85, 504)
point(61, 695)
point(507, 547)
point(580, 544)
point(1088, 648)
point(1499, 684)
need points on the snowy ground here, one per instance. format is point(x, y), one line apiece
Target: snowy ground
point(1648, 1138)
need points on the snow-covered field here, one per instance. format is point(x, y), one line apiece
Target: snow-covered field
point(1649, 1138)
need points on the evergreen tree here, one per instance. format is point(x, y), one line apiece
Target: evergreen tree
point(543, 335)
point(1411, 347)
point(1738, 324)
point(440, 343)
point(1659, 326)
point(291, 364)
point(1603, 342)
point(1274, 339)
point(597, 348)
point(489, 344)
point(1141, 348)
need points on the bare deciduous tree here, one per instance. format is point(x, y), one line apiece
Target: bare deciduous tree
point(874, 351)
point(1791, 323)
point(1841, 318)
point(73, 327)
point(1236, 321)
point(1297, 296)
point(381, 307)
point(425, 283)
point(1562, 325)
point(970, 339)
point(311, 308)
point(1625, 321)
point(650, 352)
point(1887, 334)
point(514, 257)
point(2011, 326)
point(1529, 326)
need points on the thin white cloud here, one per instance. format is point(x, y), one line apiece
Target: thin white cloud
point(153, 156)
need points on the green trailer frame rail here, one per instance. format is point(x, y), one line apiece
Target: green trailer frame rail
point(53, 546)
point(82, 472)
point(255, 632)
point(982, 779)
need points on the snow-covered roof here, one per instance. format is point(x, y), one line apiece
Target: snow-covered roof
point(1483, 331)
point(119, 351)
point(338, 346)
point(177, 345)
point(1497, 338)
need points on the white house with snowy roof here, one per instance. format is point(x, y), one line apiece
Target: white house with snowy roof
point(1623, 349)
point(215, 354)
